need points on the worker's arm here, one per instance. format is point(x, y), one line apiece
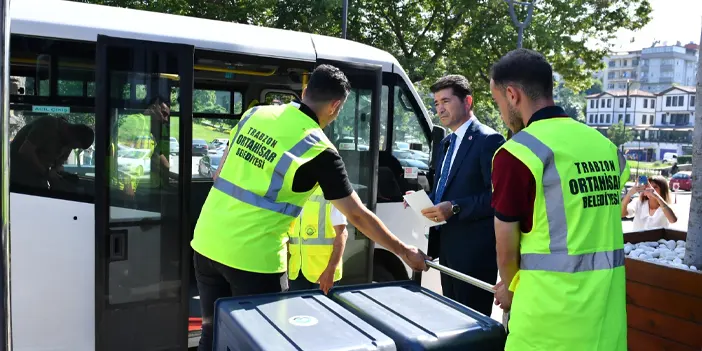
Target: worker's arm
point(339, 246)
point(368, 223)
point(514, 189)
point(507, 246)
point(326, 280)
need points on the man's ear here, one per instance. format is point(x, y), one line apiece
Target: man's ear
point(469, 102)
point(304, 90)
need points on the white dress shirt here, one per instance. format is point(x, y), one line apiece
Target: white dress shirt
point(460, 133)
point(643, 220)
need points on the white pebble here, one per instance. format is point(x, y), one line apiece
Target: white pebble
point(677, 261)
point(680, 255)
point(693, 268)
point(628, 248)
point(651, 244)
point(656, 253)
point(670, 244)
point(680, 243)
point(647, 248)
point(662, 241)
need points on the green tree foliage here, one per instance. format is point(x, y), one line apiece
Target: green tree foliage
point(619, 134)
point(572, 102)
point(596, 88)
point(431, 37)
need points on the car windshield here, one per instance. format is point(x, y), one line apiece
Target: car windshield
point(680, 176)
point(199, 141)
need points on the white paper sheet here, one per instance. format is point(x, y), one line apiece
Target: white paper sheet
point(418, 201)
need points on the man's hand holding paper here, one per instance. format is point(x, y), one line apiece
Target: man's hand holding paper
point(419, 202)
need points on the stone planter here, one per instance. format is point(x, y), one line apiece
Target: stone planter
point(664, 304)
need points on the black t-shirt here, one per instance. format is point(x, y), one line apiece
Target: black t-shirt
point(327, 169)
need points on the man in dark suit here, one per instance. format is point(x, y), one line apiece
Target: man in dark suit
point(462, 192)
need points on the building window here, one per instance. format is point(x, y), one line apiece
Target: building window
point(609, 118)
point(621, 103)
point(664, 117)
point(592, 103)
point(628, 102)
point(609, 102)
point(590, 119)
point(681, 101)
point(628, 119)
point(601, 118)
point(645, 103)
point(667, 101)
point(610, 86)
point(653, 103)
point(692, 101)
point(619, 118)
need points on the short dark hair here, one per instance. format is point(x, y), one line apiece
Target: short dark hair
point(459, 84)
point(327, 83)
point(526, 68)
point(83, 135)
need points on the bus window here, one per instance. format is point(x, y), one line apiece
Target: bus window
point(278, 98)
point(350, 133)
point(410, 143)
point(48, 84)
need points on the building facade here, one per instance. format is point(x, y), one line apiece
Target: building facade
point(660, 122)
point(651, 69)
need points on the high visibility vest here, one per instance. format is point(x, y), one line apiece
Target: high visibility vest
point(569, 293)
point(312, 240)
point(251, 206)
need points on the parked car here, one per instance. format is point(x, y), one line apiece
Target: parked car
point(682, 179)
point(208, 165)
point(218, 149)
point(348, 143)
point(135, 162)
point(175, 147)
point(408, 162)
point(199, 147)
point(411, 155)
point(215, 143)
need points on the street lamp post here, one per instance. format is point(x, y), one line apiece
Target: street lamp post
point(344, 16)
point(520, 25)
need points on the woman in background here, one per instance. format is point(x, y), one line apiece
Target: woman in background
point(650, 209)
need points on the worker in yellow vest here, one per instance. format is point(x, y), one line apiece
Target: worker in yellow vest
point(316, 246)
point(556, 194)
point(277, 158)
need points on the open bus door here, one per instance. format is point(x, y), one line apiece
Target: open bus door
point(141, 223)
point(356, 134)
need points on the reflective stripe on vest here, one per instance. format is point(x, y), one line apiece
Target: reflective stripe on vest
point(321, 238)
point(559, 260)
point(268, 201)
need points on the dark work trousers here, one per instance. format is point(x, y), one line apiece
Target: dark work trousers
point(215, 280)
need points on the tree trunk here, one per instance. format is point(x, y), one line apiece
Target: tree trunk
point(693, 248)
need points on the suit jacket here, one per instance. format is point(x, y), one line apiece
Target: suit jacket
point(471, 232)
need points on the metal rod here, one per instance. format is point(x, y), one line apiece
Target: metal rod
point(5, 174)
point(462, 277)
point(344, 17)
